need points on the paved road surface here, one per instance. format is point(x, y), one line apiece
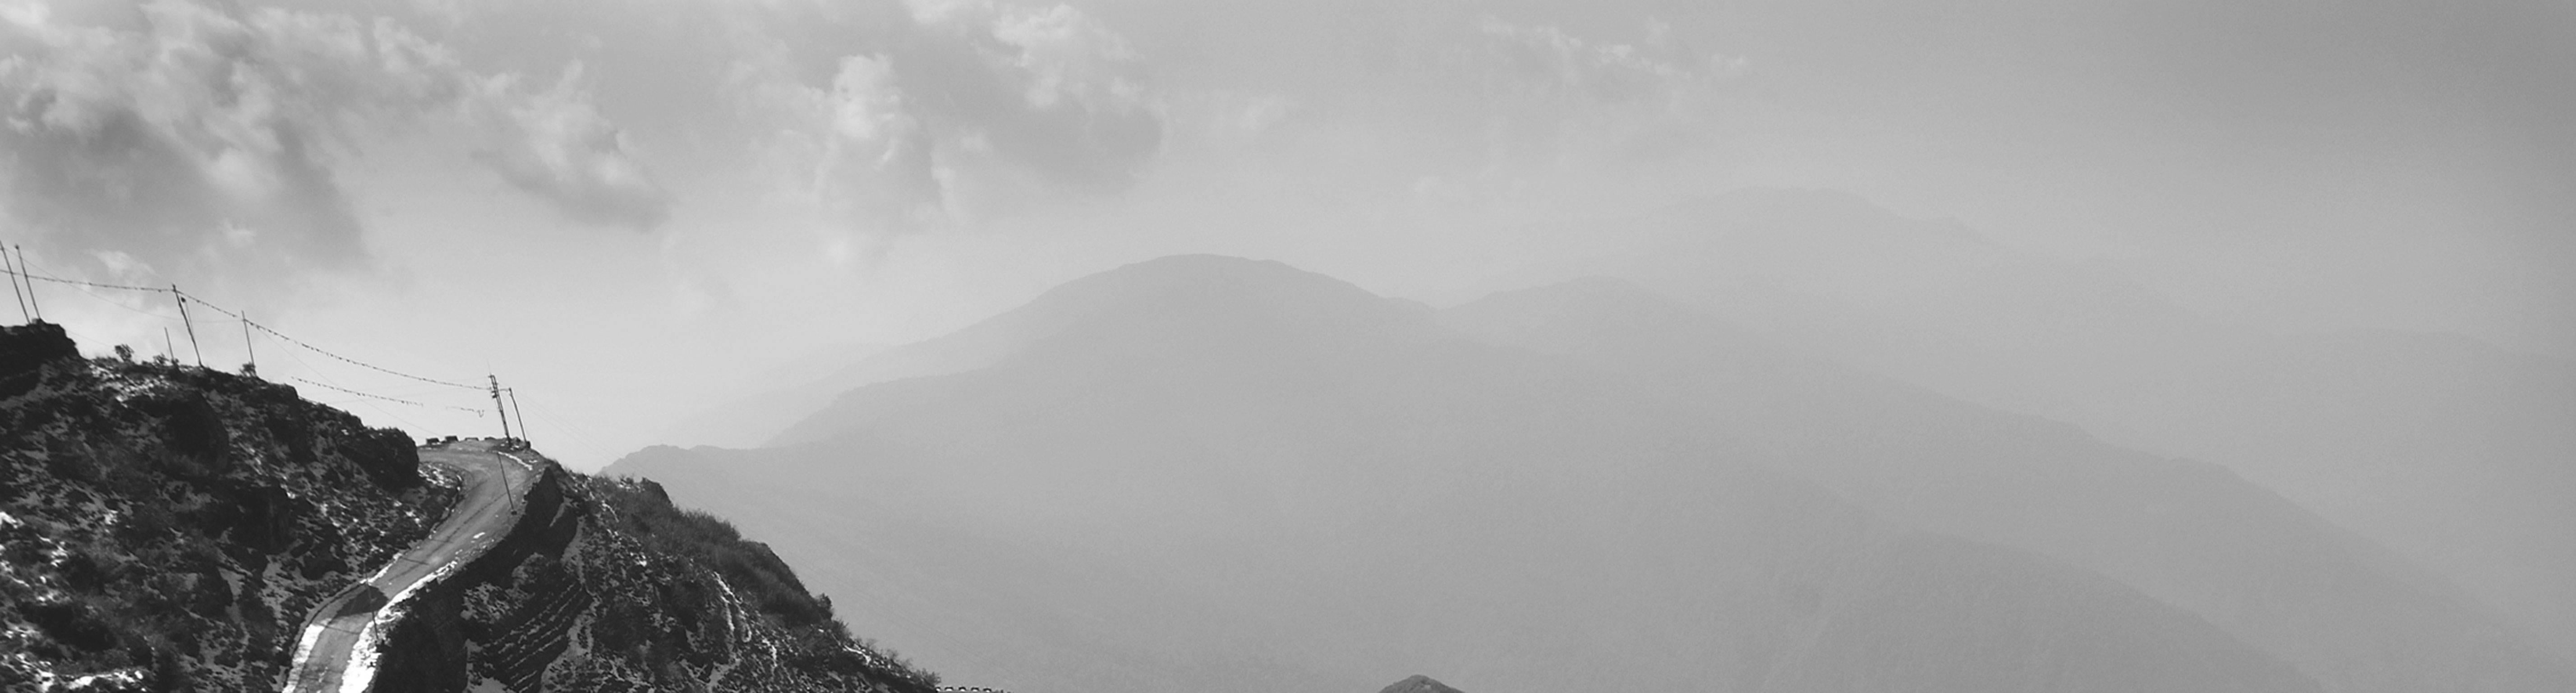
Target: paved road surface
point(492, 503)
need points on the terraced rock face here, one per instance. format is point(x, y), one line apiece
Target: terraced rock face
point(165, 528)
point(607, 587)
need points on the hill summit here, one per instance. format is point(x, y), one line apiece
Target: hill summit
point(1419, 684)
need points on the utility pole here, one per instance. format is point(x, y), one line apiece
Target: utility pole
point(166, 349)
point(23, 315)
point(192, 325)
point(496, 405)
point(523, 411)
point(247, 351)
point(31, 283)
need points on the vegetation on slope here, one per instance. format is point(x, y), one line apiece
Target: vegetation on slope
point(693, 547)
point(165, 528)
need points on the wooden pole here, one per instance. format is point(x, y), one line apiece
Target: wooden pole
point(523, 412)
point(191, 325)
point(247, 351)
point(31, 283)
point(23, 315)
point(496, 405)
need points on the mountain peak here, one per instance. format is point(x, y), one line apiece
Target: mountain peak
point(1203, 293)
point(1777, 223)
point(1202, 274)
point(1419, 684)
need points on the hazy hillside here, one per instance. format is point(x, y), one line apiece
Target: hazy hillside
point(2452, 452)
point(765, 402)
point(1168, 447)
point(2186, 532)
point(1419, 684)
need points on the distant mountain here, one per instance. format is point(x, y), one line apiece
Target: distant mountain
point(775, 398)
point(1286, 482)
point(1419, 684)
point(2455, 453)
point(2188, 533)
point(170, 528)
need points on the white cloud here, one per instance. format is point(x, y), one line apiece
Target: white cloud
point(1065, 56)
point(555, 144)
point(877, 169)
point(974, 110)
point(188, 134)
point(1547, 60)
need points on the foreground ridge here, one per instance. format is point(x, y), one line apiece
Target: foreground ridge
point(176, 528)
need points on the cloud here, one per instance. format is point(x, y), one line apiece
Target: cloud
point(555, 144)
point(190, 136)
point(1546, 60)
point(877, 169)
point(972, 110)
point(1543, 102)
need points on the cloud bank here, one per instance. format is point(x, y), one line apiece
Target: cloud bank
point(964, 112)
point(189, 136)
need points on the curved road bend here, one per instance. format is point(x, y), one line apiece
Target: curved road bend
point(491, 505)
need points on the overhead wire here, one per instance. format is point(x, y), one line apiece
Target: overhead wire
point(370, 395)
point(370, 405)
point(319, 350)
point(368, 398)
point(576, 430)
point(113, 302)
point(31, 274)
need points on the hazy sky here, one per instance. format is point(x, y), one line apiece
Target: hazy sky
point(627, 208)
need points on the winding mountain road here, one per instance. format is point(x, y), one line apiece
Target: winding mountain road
point(328, 657)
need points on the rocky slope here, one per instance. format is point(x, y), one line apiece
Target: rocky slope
point(167, 528)
point(608, 587)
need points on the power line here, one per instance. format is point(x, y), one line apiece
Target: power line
point(371, 395)
point(31, 274)
point(21, 272)
point(182, 297)
point(319, 350)
point(113, 302)
point(370, 405)
point(577, 431)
